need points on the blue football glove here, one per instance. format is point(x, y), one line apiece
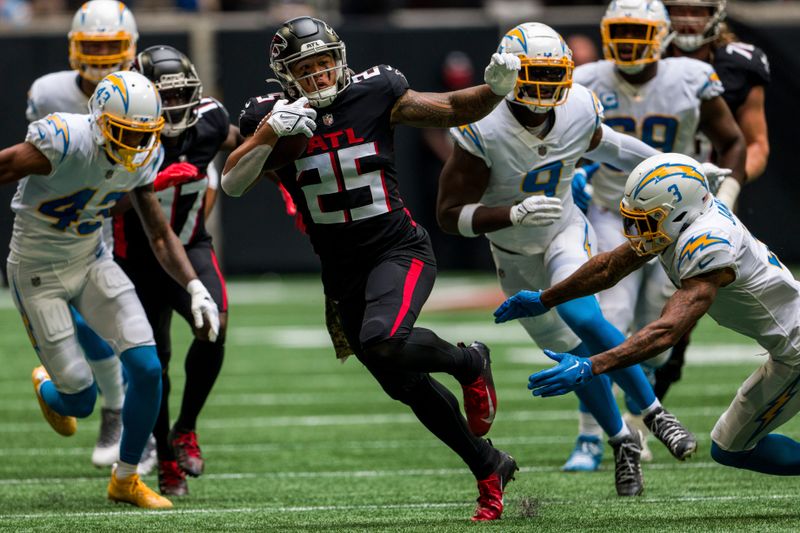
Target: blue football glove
point(522, 304)
point(571, 372)
point(581, 189)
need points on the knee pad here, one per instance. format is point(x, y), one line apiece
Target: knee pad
point(724, 457)
point(403, 391)
point(385, 351)
point(81, 404)
point(141, 364)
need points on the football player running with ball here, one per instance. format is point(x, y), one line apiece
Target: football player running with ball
point(663, 102)
point(377, 263)
point(102, 40)
point(509, 177)
point(72, 169)
point(718, 268)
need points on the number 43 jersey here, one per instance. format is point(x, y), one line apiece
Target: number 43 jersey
point(664, 112)
point(58, 216)
point(345, 185)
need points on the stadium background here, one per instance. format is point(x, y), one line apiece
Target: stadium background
point(254, 235)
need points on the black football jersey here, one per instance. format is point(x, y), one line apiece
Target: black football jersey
point(345, 185)
point(183, 205)
point(740, 67)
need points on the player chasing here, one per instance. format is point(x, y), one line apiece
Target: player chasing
point(663, 102)
point(102, 40)
point(718, 268)
point(378, 267)
point(509, 177)
point(72, 169)
point(195, 129)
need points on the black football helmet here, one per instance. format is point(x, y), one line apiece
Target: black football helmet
point(304, 37)
point(176, 79)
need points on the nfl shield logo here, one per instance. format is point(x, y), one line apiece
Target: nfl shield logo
point(542, 150)
point(327, 119)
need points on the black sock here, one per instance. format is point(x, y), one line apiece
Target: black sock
point(161, 429)
point(203, 363)
point(437, 409)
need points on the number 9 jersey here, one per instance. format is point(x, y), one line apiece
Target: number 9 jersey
point(58, 216)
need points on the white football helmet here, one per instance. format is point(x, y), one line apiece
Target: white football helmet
point(634, 33)
point(696, 22)
point(127, 121)
point(102, 39)
point(545, 78)
point(663, 195)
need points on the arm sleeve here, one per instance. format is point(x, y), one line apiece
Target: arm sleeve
point(704, 252)
point(621, 151)
point(469, 138)
point(51, 136)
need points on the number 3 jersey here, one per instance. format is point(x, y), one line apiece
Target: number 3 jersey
point(345, 184)
point(521, 164)
point(764, 300)
point(183, 205)
point(664, 112)
point(58, 216)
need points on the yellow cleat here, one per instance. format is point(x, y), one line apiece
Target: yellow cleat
point(64, 425)
point(133, 490)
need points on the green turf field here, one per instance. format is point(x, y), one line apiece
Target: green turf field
point(296, 441)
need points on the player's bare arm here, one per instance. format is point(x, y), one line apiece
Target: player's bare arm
point(753, 123)
point(22, 160)
point(681, 312)
point(233, 140)
point(444, 110)
point(463, 181)
point(600, 272)
point(717, 122)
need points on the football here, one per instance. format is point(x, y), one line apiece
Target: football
point(286, 150)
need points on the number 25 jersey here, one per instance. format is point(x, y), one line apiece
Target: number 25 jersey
point(345, 184)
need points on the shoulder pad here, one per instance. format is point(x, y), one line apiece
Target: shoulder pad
point(254, 110)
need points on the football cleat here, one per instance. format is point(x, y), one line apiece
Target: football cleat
point(64, 425)
point(490, 489)
point(636, 422)
point(586, 455)
point(666, 428)
point(480, 398)
point(133, 490)
point(106, 449)
point(187, 452)
point(628, 467)
point(149, 457)
point(171, 479)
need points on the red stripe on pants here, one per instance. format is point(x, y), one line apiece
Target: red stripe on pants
point(408, 291)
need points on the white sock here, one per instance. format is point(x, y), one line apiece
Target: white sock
point(650, 408)
point(624, 432)
point(125, 470)
point(108, 375)
point(588, 426)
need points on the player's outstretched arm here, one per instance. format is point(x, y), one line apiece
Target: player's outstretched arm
point(680, 313)
point(618, 149)
point(717, 122)
point(171, 255)
point(752, 121)
point(22, 160)
point(445, 110)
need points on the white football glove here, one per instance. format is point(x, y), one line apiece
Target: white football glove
point(715, 175)
point(291, 119)
point(536, 211)
point(501, 74)
point(204, 310)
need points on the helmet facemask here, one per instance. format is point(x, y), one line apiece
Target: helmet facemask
point(644, 229)
point(696, 22)
point(632, 43)
point(180, 97)
point(543, 83)
point(130, 143)
point(286, 70)
point(95, 55)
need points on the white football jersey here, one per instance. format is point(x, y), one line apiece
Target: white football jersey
point(663, 112)
point(521, 164)
point(58, 92)
point(58, 215)
point(764, 301)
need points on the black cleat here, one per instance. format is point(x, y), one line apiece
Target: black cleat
point(668, 429)
point(628, 467)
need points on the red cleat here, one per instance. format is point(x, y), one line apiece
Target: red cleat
point(480, 398)
point(187, 452)
point(171, 479)
point(490, 489)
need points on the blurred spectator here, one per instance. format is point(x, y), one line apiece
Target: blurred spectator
point(583, 49)
point(16, 12)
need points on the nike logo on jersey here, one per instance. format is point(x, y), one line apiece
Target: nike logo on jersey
point(703, 264)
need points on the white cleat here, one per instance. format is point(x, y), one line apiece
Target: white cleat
point(637, 422)
point(106, 450)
